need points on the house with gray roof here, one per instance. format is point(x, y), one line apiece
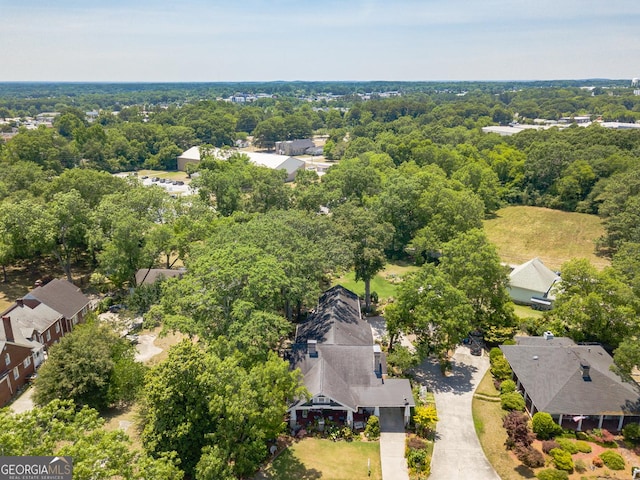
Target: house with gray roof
point(344, 370)
point(572, 382)
point(294, 147)
point(531, 283)
point(63, 297)
point(37, 321)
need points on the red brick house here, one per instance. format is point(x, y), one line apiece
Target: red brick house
point(18, 356)
point(37, 321)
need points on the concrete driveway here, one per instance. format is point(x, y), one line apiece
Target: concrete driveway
point(392, 442)
point(23, 403)
point(457, 454)
point(145, 349)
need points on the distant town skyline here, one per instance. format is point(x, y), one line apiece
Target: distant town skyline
point(252, 40)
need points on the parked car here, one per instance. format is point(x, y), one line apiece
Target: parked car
point(117, 308)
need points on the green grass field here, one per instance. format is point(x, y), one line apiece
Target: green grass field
point(523, 233)
point(314, 458)
point(385, 283)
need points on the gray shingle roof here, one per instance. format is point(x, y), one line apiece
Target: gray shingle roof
point(550, 372)
point(62, 296)
point(344, 367)
point(31, 314)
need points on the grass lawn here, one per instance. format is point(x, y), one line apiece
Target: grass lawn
point(315, 458)
point(172, 175)
point(523, 233)
point(523, 311)
point(487, 418)
point(385, 283)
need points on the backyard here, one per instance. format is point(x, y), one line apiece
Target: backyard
point(317, 458)
point(385, 283)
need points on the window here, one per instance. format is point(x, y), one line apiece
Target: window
point(27, 362)
point(16, 373)
point(321, 399)
point(57, 327)
point(48, 335)
point(7, 359)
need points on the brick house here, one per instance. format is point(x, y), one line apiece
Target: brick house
point(63, 297)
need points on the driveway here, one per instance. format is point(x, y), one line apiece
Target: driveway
point(392, 441)
point(23, 403)
point(145, 349)
point(457, 454)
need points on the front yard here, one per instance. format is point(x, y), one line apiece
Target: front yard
point(318, 458)
point(487, 417)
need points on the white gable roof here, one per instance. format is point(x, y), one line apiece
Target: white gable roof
point(192, 154)
point(533, 275)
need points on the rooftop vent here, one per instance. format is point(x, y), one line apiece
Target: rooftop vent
point(312, 348)
point(548, 335)
point(585, 367)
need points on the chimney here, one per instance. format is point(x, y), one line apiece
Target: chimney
point(20, 302)
point(377, 365)
point(312, 348)
point(585, 367)
point(8, 330)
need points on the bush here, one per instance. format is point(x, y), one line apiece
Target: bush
point(567, 445)
point(372, 430)
point(612, 460)
point(583, 447)
point(552, 474)
point(582, 436)
point(494, 353)
point(517, 426)
point(597, 462)
point(530, 457)
point(425, 418)
point(562, 459)
point(512, 401)
point(500, 368)
point(549, 445)
point(631, 433)
point(580, 466)
point(544, 427)
point(507, 386)
point(415, 443)
point(417, 460)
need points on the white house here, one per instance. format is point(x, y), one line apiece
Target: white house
point(531, 282)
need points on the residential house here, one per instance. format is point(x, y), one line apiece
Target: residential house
point(18, 357)
point(344, 370)
point(37, 321)
point(294, 147)
point(531, 284)
point(63, 297)
point(572, 382)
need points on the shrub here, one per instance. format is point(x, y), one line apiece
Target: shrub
point(583, 447)
point(562, 459)
point(597, 462)
point(582, 436)
point(372, 430)
point(418, 461)
point(544, 427)
point(416, 443)
point(552, 474)
point(549, 445)
point(580, 466)
point(612, 460)
point(517, 426)
point(500, 368)
point(494, 353)
point(567, 445)
point(507, 386)
point(631, 433)
point(425, 418)
point(512, 401)
point(530, 457)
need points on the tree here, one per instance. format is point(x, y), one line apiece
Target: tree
point(91, 366)
point(214, 412)
point(473, 266)
point(368, 240)
point(435, 311)
point(59, 428)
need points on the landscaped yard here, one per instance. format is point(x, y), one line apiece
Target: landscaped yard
point(523, 311)
point(523, 233)
point(385, 283)
point(316, 458)
point(487, 417)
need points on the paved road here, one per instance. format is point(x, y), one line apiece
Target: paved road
point(392, 441)
point(457, 454)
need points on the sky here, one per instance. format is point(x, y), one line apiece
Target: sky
point(351, 40)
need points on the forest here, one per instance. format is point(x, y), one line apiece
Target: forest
point(412, 178)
